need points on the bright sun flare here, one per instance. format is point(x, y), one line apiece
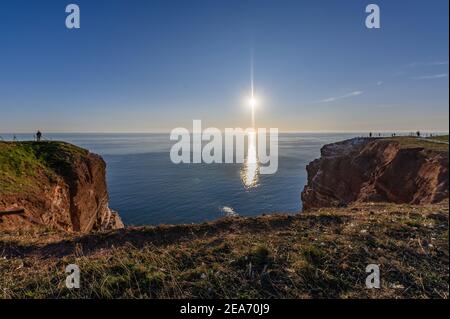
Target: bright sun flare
point(252, 102)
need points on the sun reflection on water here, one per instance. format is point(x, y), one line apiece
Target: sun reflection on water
point(250, 168)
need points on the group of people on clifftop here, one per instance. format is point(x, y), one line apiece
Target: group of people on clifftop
point(417, 134)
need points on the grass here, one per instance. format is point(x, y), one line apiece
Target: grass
point(414, 142)
point(442, 138)
point(18, 168)
point(23, 163)
point(318, 254)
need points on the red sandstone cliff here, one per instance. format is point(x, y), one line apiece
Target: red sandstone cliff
point(399, 170)
point(56, 184)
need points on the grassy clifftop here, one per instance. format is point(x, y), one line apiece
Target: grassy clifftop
point(318, 254)
point(435, 143)
point(21, 163)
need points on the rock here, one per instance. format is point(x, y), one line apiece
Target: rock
point(375, 170)
point(58, 184)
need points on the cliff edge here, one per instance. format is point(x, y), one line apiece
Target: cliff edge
point(54, 184)
point(398, 170)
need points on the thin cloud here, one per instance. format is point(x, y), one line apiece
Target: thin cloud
point(335, 98)
point(433, 63)
point(380, 83)
point(431, 77)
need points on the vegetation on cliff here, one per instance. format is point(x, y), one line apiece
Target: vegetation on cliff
point(21, 163)
point(436, 143)
point(318, 254)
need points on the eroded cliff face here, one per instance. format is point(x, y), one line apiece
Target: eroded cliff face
point(55, 184)
point(389, 170)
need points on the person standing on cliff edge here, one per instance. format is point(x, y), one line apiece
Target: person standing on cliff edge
point(38, 136)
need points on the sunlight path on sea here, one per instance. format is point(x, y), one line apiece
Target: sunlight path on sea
point(250, 168)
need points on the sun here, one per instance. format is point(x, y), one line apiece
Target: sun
point(252, 102)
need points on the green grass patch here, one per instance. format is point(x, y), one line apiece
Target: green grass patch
point(21, 163)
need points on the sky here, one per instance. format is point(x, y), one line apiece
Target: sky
point(151, 66)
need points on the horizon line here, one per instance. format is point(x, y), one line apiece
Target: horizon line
point(282, 132)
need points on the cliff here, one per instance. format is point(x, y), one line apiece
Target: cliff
point(398, 170)
point(54, 184)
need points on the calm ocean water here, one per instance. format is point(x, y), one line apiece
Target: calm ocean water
point(145, 187)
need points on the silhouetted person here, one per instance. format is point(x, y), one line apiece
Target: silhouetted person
point(38, 136)
point(370, 134)
point(418, 133)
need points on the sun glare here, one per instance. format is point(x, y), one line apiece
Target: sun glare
point(252, 102)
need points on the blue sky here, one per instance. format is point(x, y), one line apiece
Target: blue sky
point(138, 66)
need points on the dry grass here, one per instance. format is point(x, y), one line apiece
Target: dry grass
point(319, 254)
point(435, 143)
point(441, 138)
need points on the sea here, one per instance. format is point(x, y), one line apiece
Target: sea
point(147, 188)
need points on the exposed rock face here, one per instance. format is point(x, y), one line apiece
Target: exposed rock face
point(66, 188)
point(364, 169)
